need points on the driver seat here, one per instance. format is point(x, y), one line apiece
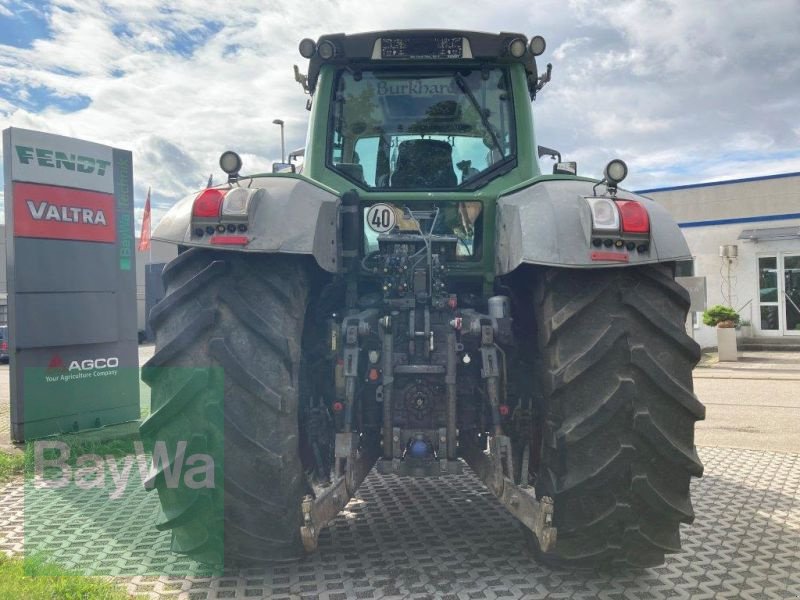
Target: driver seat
point(424, 163)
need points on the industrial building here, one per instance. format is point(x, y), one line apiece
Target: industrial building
point(744, 235)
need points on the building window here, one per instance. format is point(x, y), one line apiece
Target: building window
point(768, 292)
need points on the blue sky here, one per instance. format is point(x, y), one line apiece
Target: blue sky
point(684, 91)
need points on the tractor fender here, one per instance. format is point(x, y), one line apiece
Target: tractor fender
point(292, 215)
point(550, 223)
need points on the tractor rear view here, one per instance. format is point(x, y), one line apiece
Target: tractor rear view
point(421, 297)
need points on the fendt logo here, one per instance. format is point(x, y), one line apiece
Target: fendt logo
point(65, 214)
point(54, 159)
point(46, 211)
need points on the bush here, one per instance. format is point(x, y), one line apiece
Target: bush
point(720, 314)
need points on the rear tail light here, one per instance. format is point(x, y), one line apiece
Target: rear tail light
point(236, 202)
point(208, 203)
point(605, 216)
point(4, 346)
point(634, 216)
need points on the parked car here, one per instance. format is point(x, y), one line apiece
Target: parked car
point(4, 343)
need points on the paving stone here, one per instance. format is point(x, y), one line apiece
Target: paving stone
point(450, 538)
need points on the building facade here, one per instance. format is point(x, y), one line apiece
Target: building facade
point(744, 236)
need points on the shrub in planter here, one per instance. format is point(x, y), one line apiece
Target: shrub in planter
point(720, 316)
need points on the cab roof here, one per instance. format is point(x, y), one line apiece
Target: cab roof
point(402, 47)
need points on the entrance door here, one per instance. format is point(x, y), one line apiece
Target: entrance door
point(791, 294)
point(779, 294)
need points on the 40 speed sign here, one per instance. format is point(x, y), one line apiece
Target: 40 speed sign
point(381, 218)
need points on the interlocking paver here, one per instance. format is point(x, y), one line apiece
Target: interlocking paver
point(450, 538)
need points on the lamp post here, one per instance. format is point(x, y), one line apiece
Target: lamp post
point(283, 146)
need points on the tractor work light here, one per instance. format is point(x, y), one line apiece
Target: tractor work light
point(605, 216)
point(326, 50)
point(517, 47)
point(230, 162)
point(537, 45)
point(307, 48)
point(634, 216)
point(208, 204)
point(616, 171)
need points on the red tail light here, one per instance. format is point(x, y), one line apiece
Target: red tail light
point(4, 346)
point(208, 203)
point(634, 216)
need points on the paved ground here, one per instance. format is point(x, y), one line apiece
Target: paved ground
point(450, 538)
point(752, 403)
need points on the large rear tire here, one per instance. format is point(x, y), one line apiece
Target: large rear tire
point(244, 314)
point(617, 450)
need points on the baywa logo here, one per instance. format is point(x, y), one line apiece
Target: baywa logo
point(66, 214)
point(88, 471)
point(54, 159)
point(58, 370)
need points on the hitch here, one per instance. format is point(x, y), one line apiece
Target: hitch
point(535, 514)
point(322, 508)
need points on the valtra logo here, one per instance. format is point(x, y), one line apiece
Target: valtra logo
point(46, 211)
point(65, 214)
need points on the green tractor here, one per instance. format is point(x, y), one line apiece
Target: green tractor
point(418, 297)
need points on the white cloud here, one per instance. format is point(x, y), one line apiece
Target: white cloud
point(680, 90)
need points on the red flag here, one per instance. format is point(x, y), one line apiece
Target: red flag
point(144, 238)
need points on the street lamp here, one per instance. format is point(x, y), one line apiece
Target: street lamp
point(283, 146)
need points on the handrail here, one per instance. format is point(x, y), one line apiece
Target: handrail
point(789, 298)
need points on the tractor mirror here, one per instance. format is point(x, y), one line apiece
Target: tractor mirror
point(280, 167)
point(565, 168)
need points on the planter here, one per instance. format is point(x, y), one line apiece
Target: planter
point(726, 344)
point(745, 331)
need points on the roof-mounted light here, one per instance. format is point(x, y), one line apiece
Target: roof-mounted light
point(616, 171)
point(307, 47)
point(231, 163)
point(517, 47)
point(326, 50)
point(537, 45)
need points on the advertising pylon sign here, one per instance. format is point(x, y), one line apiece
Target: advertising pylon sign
point(71, 281)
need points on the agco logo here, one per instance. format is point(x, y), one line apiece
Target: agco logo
point(65, 214)
point(90, 364)
point(57, 364)
point(61, 160)
point(58, 370)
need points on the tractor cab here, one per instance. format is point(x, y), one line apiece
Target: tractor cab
point(420, 110)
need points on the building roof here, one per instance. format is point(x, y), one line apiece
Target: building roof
point(770, 233)
point(725, 182)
